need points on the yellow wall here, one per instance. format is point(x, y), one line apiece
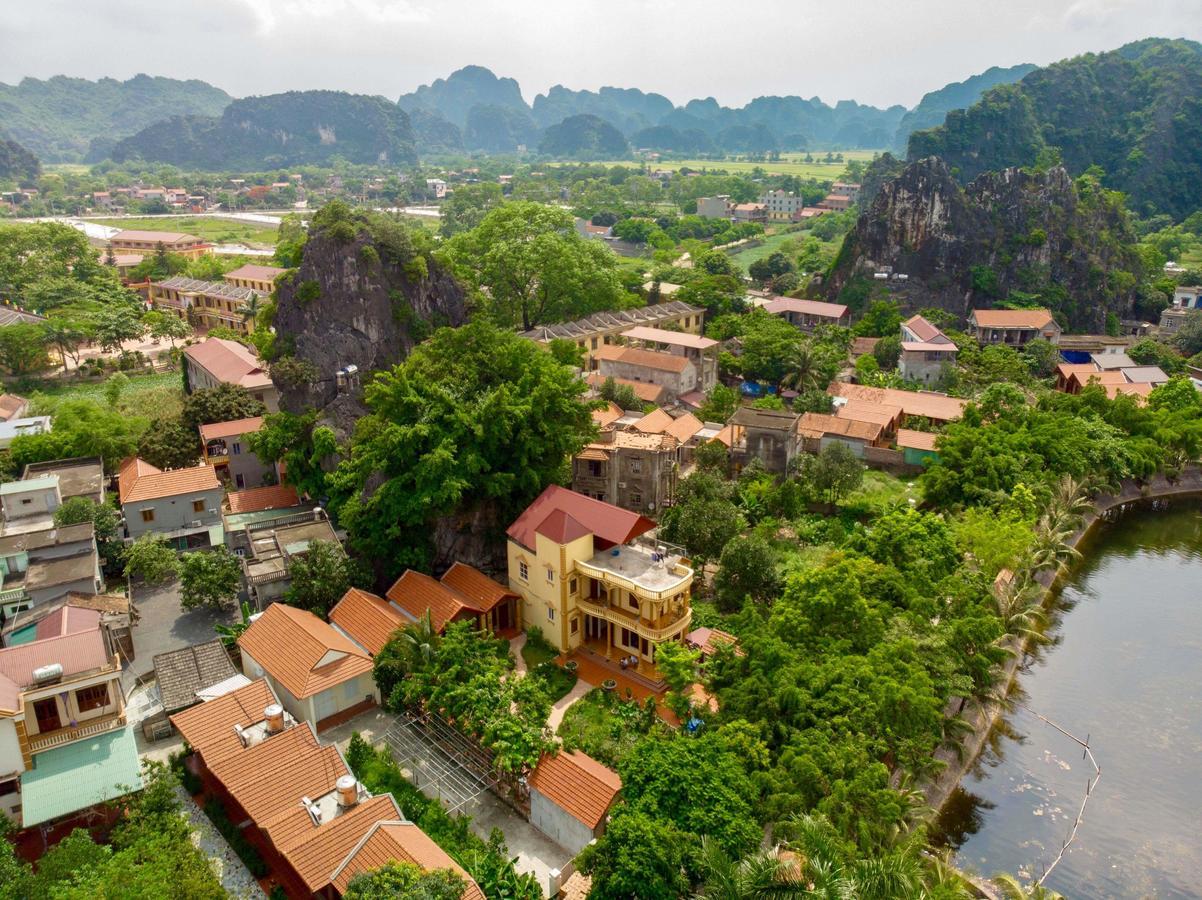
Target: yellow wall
point(539, 593)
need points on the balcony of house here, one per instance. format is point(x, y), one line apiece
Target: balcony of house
point(217, 451)
point(73, 714)
point(650, 621)
point(654, 570)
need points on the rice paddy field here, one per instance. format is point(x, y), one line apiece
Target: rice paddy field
point(793, 164)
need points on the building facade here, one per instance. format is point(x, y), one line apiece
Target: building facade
point(635, 471)
point(809, 314)
point(146, 242)
point(182, 505)
point(225, 448)
point(926, 352)
point(1013, 327)
point(216, 361)
point(782, 206)
point(676, 374)
point(601, 329)
point(205, 304)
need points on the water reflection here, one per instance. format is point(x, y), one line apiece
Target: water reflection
point(1124, 665)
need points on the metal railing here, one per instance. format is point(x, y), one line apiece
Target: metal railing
point(58, 738)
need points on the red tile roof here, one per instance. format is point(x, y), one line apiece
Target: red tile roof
point(229, 362)
point(578, 784)
point(930, 404)
point(644, 390)
point(279, 496)
point(916, 440)
point(209, 727)
point(672, 338)
point(655, 422)
point(232, 428)
point(708, 640)
point(1011, 318)
point(483, 592)
point(607, 416)
point(80, 652)
point(316, 851)
point(67, 620)
point(253, 272)
point(416, 594)
point(608, 524)
point(10, 405)
point(396, 841)
point(291, 644)
point(646, 359)
point(138, 480)
point(368, 619)
point(817, 425)
point(807, 307)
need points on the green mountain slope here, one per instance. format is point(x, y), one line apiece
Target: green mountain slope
point(1136, 112)
point(933, 108)
point(17, 164)
point(586, 137)
point(299, 127)
point(57, 119)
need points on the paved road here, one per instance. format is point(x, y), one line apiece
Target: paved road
point(163, 626)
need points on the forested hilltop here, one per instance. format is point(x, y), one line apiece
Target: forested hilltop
point(1135, 112)
point(295, 128)
point(67, 119)
point(933, 108)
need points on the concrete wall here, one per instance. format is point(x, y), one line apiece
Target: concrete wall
point(173, 513)
point(916, 366)
point(557, 824)
point(540, 594)
point(241, 461)
point(343, 696)
point(675, 383)
point(54, 591)
point(41, 502)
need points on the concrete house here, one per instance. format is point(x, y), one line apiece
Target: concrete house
point(204, 304)
point(819, 431)
point(926, 352)
point(809, 314)
point(269, 545)
point(632, 470)
point(768, 435)
point(146, 242)
point(782, 205)
point(225, 448)
point(570, 798)
point(604, 328)
point(677, 375)
point(217, 361)
point(255, 277)
point(595, 581)
point(65, 745)
point(1012, 327)
point(182, 505)
point(701, 351)
point(319, 674)
point(12, 429)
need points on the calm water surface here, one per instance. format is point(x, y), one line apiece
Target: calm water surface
point(1125, 668)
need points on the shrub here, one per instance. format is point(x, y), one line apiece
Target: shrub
point(235, 838)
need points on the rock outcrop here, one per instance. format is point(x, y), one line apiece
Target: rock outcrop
point(1012, 237)
point(355, 303)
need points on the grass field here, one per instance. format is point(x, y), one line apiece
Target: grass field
point(793, 164)
point(770, 245)
point(221, 231)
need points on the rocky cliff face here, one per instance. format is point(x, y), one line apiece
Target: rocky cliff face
point(355, 303)
point(1008, 237)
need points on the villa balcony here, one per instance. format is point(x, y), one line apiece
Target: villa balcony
point(60, 736)
point(655, 631)
point(653, 570)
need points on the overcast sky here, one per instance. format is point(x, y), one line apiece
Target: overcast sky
point(874, 51)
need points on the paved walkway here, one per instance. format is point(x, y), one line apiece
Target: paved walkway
point(561, 705)
point(235, 877)
point(515, 647)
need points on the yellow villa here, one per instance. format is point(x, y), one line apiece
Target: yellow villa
point(594, 579)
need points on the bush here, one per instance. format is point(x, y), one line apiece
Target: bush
point(235, 838)
point(178, 764)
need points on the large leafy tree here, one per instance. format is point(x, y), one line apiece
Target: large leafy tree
point(82, 428)
point(405, 881)
point(320, 576)
point(531, 266)
point(23, 348)
point(151, 559)
point(209, 578)
point(105, 521)
point(704, 517)
point(639, 856)
point(170, 444)
point(466, 208)
point(301, 444)
point(475, 417)
point(224, 403)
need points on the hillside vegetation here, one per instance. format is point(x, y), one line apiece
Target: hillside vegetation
point(1136, 112)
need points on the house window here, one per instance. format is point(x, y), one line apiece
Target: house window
point(148, 515)
point(550, 613)
point(523, 571)
point(93, 697)
point(237, 448)
point(550, 575)
point(633, 601)
point(198, 506)
point(636, 466)
point(572, 586)
point(25, 501)
point(574, 625)
point(636, 499)
point(9, 787)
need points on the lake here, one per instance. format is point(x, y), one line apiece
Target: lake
point(1125, 668)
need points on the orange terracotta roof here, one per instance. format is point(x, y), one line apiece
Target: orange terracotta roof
point(254, 272)
point(609, 523)
point(644, 390)
point(272, 776)
point(655, 422)
point(483, 592)
point(578, 784)
point(1011, 318)
point(671, 338)
point(607, 416)
point(923, 330)
point(685, 427)
point(232, 428)
point(229, 362)
point(868, 411)
point(707, 640)
point(863, 345)
point(138, 480)
point(394, 841)
point(817, 425)
point(209, 727)
point(806, 307)
point(416, 594)
point(929, 404)
point(10, 405)
point(916, 440)
point(291, 644)
point(278, 496)
point(368, 619)
point(647, 359)
point(316, 851)
point(726, 436)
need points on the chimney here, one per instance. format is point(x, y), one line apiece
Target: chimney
point(274, 714)
point(348, 790)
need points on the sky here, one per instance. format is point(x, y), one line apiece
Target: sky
point(879, 52)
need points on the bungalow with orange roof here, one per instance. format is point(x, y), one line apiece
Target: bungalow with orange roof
point(224, 447)
point(299, 799)
point(674, 373)
point(570, 798)
point(367, 619)
point(817, 431)
point(808, 314)
point(938, 408)
point(320, 675)
point(216, 361)
point(464, 594)
point(926, 352)
point(1013, 327)
point(256, 277)
point(182, 505)
point(698, 349)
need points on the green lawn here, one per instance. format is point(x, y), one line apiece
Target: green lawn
point(769, 245)
point(880, 491)
point(605, 727)
point(221, 231)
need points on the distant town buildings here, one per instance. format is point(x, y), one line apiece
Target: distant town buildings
point(782, 205)
point(146, 242)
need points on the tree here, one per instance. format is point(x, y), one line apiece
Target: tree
point(770, 348)
point(720, 405)
point(704, 517)
point(712, 457)
point(834, 472)
point(114, 387)
point(151, 559)
point(169, 444)
point(301, 444)
point(746, 571)
point(116, 325)
point(320, 576)
point(1188, 338)
point(23, 348)
point(224, 403)
point(882, 319)
point(209, 578)
point(887, 352)
point(677, 664)
point(105, 520)
point(770, 267)
point(717, 294)
point(66, 335)
point(567, 352)
point(1041, 356)
point(621, 394)
point(638, 856)
point(476, 418)
point(405, 881)
point(466, 208)
point(762, 873)
point(165, 325)
point(81, 428)
point(531, 266)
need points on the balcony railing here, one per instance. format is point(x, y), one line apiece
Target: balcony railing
point(61, 736)
point(652, 570)
point(666, 627)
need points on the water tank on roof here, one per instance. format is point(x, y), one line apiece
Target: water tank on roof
point(47, 673)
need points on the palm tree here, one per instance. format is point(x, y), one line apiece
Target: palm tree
point(250, 309)
point(1013, 889)
point(945, 880)
point(763, 873)
point(419, 640)
point(827, 872)
point(805, 370)
point(229, 634)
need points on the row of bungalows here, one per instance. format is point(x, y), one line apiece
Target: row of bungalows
point(604, 328)
point(1115, 373)
point(1013, 327)
point(209, 304)
point(146, 242)
point(638, 458)
point(808, 314)
point(298, 799)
